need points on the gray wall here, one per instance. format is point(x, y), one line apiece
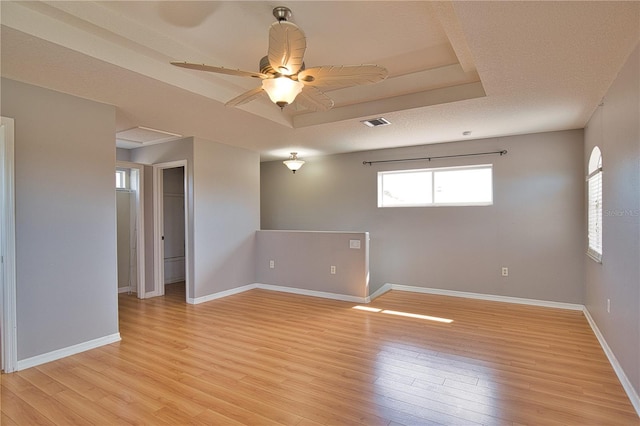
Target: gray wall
point(535, 226)
point(163, 153)
point(224, 197)
point(123, 154)
point(227, 214)
point(614, 128)
point(124, 201)
point(65, 218)
point(303, 260)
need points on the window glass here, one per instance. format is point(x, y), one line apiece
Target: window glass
point(121, 179)
point(410, 188)
point(594, 205)
point(464, 186)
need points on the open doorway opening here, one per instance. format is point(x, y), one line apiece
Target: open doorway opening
point(171, 224)
point(173, 214)
point(130, 228)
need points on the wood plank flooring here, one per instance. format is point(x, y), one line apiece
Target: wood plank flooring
point(268, 358)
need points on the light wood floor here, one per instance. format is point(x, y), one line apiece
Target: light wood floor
point(263, 358)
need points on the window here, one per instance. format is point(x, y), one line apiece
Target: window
point(122, 181)
point(594, 207)
point(451, 186)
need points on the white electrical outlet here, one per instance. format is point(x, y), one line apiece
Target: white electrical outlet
point(333, 270)
point(505, 271)
point(608, 306)
point(272, 264)
point(354, 244)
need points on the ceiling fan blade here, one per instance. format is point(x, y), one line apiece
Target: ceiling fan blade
point(220, 70)
point(339, 76)
point(313, 99)
point(287, 44)
point(245, 97)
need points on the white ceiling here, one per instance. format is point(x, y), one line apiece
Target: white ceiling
point(492, 68)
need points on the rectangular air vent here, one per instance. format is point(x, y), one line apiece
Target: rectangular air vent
point(145, 136)
point(375, 122)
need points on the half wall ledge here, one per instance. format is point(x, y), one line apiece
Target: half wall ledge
point(315, 261)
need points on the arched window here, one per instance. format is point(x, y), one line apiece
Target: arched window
point(594, 186)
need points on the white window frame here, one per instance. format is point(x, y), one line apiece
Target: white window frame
point(125, 180)
point(433, 172)
point(594, 205)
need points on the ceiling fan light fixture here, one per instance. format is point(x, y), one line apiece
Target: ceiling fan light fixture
point(293, 163)
point(282, 90)
point(284, 75)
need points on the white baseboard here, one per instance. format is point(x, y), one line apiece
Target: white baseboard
point(313, 293)
point(490, 297)
point(149, 294)
point(175, 280)
point(379, 292)
point(214, 296)
point(385, 288)
point(624, 380)
point(125, 290)
point(68, 351)
point(283, 289)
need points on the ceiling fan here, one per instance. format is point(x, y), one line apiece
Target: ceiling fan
point(283, 73)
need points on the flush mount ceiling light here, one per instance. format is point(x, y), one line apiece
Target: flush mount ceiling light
point(293, 163)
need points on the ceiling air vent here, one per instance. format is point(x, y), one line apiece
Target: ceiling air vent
point(375, 122)
point(145, 136)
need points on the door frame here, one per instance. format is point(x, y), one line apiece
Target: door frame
point(158, 227)
point(140, 253)
point(8, 224)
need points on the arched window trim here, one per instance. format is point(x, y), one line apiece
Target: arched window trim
point(594, 205)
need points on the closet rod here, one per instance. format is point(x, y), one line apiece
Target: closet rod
point(503, 152)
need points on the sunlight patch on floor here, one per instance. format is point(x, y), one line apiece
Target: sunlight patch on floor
point(403, 314)
point(366, 308)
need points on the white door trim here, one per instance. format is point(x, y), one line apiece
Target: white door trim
point(139, 188)
point(158, 221)
point(8, 224)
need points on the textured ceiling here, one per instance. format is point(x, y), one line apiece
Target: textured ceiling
point(493, 68)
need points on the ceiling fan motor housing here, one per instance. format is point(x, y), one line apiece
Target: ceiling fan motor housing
point(266, 68)
point(282, 13)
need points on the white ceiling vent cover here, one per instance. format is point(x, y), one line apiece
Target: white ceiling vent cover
point(145, 136)
point(375, 122)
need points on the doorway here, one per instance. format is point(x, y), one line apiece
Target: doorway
point(8, 319)
point(173, 214)
point(130, 228)
point(171, 225)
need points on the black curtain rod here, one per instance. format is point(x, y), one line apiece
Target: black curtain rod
point(503, 152)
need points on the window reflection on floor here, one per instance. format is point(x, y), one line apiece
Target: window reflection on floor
point(432, 386)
